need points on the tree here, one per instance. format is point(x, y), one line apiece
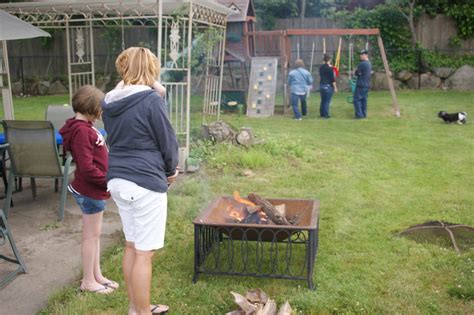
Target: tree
point(269, 10)
point(409, 8)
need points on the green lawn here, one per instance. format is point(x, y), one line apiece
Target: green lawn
point(374, 177)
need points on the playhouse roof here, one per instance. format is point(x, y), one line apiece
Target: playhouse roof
point(242, 9)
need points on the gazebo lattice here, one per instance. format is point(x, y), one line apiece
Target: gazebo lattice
point(180, 25)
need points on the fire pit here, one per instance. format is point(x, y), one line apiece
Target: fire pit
point(225, 245)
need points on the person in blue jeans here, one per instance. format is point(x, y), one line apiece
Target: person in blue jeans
point(327, 86)
point(300, 81)
point(361, 93)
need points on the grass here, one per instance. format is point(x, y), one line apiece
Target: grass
point(374, 178)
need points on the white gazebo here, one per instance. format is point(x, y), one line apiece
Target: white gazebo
point(180, 25)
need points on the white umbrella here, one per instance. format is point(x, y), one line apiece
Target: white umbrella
point(12, 28)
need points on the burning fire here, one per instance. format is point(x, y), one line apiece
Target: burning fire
point(242, 200)
point(249, 213)
point(236, 216)
point(263, 217)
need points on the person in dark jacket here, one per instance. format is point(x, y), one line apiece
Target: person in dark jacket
point(361, 92)
point(327, 86)
point(143, 162)
point(89, 187)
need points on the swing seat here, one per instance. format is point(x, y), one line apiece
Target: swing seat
point(231, 98)
point(352, 84)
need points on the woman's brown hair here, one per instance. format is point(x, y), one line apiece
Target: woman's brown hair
point(87, 100)
point(138, 65)
point(299, 63)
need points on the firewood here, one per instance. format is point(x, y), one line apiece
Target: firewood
point(220, 131)
point(285, 309)
point(245, 305)
point(269, 209)
point(281, 210)
point(252, 209)
point(270, 308)
point(245, 137)
point(256, 296)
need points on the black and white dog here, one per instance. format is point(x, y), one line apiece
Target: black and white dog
point(460, 118)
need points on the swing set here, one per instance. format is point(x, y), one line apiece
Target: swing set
point(279, 43)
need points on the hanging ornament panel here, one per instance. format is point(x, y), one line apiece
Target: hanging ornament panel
point(262, 87)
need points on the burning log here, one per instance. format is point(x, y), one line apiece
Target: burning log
point(275, 215)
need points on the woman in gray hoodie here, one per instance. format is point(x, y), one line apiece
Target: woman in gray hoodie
point(143, 161)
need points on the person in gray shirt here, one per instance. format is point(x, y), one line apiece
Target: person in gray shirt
point(361, 92)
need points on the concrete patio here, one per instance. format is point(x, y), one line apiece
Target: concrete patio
point(50, 250)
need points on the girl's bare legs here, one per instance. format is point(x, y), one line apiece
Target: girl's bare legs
point(97, 271)
point(91, 227)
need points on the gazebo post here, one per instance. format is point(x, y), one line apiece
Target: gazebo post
point(68, 51)
point(185, 151)
point(159, 29)
point(6, 90)
point(221, 67)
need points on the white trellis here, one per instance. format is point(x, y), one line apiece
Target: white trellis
point(176, 22)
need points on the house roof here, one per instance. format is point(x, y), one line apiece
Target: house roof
point(245, 8)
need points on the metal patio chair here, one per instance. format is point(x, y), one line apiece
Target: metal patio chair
point(58, 114)
point(33, 153)
point(6, 237)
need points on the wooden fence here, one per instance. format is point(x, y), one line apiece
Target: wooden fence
point(433, 33)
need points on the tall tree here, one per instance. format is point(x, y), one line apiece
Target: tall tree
point(408, 8)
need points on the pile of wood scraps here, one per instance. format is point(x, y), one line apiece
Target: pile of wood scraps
point(257, 302)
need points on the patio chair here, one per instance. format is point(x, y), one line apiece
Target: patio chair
point(33, 153)
point(6, 236)
point(3, 167)
point(58, 114)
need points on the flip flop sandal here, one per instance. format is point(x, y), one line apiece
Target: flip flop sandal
point(99, 290)
point(159, 309)
point(111, 284)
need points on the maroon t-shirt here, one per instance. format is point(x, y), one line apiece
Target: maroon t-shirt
point(90, 154)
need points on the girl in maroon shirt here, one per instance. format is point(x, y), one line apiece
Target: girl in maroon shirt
point(89, 187)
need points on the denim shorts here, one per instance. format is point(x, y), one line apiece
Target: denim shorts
point(89, 205)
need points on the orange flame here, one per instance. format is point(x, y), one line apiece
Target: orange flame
point(242, 200)
point(235, 215)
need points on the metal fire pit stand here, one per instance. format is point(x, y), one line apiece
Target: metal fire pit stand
point(257, 250)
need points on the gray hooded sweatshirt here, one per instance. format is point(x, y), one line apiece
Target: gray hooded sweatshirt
point(142, 142)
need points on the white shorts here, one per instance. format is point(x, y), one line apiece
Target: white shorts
point(143, 213)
